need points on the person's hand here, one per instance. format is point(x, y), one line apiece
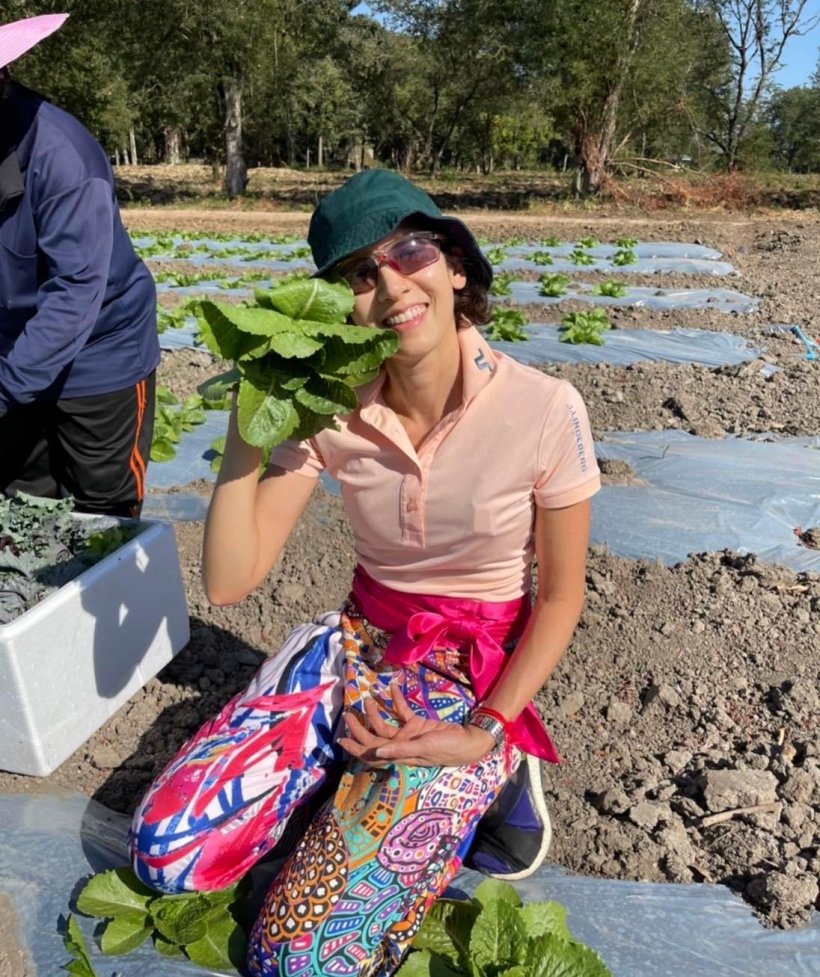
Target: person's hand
point(416, 741)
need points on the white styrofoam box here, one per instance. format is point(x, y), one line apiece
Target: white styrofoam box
point(71, 661)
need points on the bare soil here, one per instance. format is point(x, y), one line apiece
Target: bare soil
point(687, 710)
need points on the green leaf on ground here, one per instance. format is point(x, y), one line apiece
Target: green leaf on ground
point(125, 935)
point(117, 894)
point(541, 918)
point(223, 946)
point(73, 940)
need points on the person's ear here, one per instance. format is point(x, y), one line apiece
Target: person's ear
point(455, 267)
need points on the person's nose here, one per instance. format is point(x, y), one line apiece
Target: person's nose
point(391, 282)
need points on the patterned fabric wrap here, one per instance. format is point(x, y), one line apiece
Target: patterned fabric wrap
point(355, 890)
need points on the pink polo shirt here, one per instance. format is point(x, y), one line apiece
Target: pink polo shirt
point(454, 516)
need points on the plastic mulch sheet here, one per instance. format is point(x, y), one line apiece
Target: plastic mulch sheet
point(700, 494)
point(643, 266)
point(624, 346)
point(703, 494)
point(621, 346)
point(50, 845)
point(637, 296)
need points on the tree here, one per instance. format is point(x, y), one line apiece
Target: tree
point(756, 32)
point(793, 116)
point(457, 58)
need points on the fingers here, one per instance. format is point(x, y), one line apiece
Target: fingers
point(360, 733)
point(379, 726)
point(400, 705)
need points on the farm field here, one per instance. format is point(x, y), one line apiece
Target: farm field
point(687, 710)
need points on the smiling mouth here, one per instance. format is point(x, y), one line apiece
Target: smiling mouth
point(403, 318)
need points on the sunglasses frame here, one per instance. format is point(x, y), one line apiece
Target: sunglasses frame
point(380, 257)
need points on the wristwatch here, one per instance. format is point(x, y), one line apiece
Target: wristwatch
point(490, 724)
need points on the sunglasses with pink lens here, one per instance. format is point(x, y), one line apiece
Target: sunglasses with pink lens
point(406, 256)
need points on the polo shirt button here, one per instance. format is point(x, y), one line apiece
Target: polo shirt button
point(412, 505)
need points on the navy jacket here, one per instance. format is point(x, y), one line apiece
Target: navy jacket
point(77, 306)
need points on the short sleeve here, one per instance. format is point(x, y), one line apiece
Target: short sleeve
point(299, 457)
point(567, 471)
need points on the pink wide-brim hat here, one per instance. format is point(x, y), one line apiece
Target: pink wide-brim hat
point(21, 35)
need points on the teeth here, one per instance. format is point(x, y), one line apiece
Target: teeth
point(411, 313)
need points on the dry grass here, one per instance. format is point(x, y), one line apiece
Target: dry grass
point(532, 191)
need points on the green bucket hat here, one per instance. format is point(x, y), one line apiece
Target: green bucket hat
point(371, 205)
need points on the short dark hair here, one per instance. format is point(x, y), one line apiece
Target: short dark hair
point(473, 301)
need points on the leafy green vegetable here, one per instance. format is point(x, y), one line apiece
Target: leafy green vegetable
point(123, 935)
point(580, 257)
point(73, 940)
point(585, 327)
point(624, 256)
point(109, 540)
point(542, 258)
point(493, 935)
point(501, 283)
point(554, 284)
point(176, 317)
point(43, 546)
point(297, 360)
point(496, 255)
point(588, 242)
point(172, 419)
point(515, 241)
point(507, 325)
point(550, 242)
point(200, 926)
point(611, 288)
point(626, 243)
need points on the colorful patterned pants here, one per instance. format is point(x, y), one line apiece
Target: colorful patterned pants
point(354, 892)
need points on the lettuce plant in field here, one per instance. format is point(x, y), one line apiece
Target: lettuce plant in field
point(501, 283)
point(611, 289)
point(578, 256)
point(550, 242)
point(542, 258)
point(296, 360)
point(553, 284)
point(171, 419)
point(494, 935)
point(585, 327)
point(626, 243)
point(496, 255)
point(507, 325)
point(588, 242)
point(624, 256)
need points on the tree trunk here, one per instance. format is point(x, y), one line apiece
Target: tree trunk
point(132, 139)
point(595, 146)
point(320, 154)
point(236, 174)
point(173, 141)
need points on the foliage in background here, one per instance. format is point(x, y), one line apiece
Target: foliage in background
point(171, 419)
point(585, 327)
point(507, 325)
point(553, 284)
point(611, 289)
point(628, 86)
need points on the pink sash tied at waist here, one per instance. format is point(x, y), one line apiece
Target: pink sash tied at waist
point(418, 623)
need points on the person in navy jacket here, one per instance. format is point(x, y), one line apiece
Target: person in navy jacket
point(78, 338)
